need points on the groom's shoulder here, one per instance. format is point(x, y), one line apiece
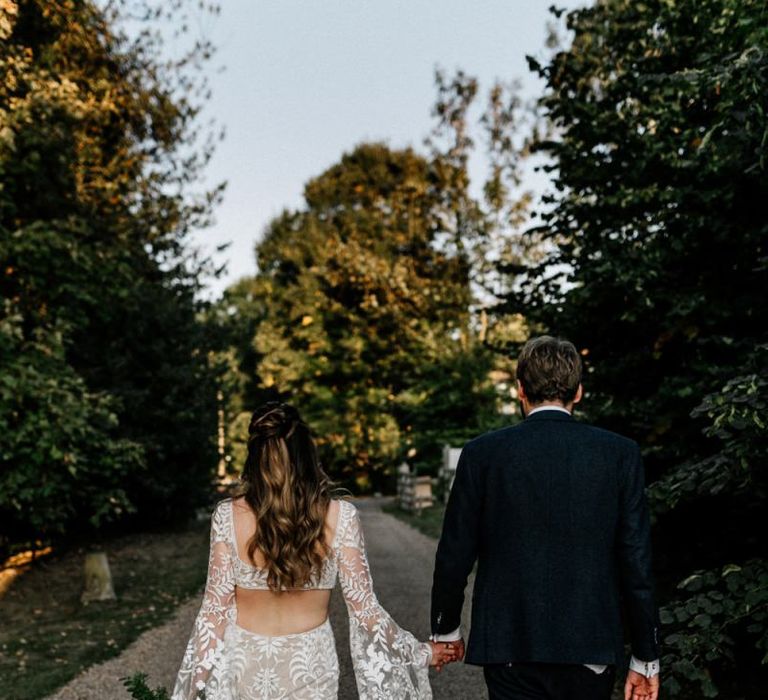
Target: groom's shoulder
point(609, 436)
point(502, 437)
point(492, 439)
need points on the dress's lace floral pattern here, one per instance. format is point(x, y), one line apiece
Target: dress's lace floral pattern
point(296, 666)
point(225, 662)
point(204, 666)
point(389, 662)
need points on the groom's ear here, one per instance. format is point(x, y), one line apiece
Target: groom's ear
point(579, 393)
point(520, 390)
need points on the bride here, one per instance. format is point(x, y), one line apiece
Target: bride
point(276, 552)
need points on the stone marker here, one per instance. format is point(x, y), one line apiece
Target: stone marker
point(98, 578)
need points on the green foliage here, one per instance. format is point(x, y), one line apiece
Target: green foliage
point(704, 624)
point(62, 434)
point(99, 157)
point(736, 416)
point(366, 318)
point(657, 271)
point(657, 231)
point(364, 311)
point(719, 608)
point(138, 688)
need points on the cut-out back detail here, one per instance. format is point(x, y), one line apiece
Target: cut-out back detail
point(389, 662)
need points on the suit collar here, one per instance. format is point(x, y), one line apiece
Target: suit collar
point(550, 414)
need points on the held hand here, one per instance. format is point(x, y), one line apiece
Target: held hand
point(443, 653)
point(638, 687)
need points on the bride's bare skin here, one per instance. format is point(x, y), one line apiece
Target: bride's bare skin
point(291, 612)
point(276, 614)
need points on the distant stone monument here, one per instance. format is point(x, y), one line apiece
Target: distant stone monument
point(448, 469)
point(413, 492)
point(98, 579)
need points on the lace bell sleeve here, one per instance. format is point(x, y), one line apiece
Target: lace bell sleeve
point(203, 664)
point(389, 662)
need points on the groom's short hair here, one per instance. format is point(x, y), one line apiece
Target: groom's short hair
point(549, 369)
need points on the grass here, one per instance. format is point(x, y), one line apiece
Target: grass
point(429, 521)
point(47, 636)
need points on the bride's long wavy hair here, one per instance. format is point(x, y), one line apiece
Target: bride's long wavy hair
point(288, 491)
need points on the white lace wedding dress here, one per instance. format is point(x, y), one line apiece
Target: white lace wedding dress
point(226, 662)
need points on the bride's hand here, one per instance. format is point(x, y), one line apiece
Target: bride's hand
point(443, 653)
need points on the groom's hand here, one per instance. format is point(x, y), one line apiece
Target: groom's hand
point(638, 687)
point(444, 653)
point(459, 650)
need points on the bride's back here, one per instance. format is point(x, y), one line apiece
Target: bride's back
point(276, 552)
point(276, 613)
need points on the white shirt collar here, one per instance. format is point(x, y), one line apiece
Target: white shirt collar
point(548, 407)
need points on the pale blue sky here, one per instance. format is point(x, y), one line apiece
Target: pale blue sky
point(307, 80)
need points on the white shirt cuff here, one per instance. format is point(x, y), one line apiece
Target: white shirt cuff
point(454, 636)
point(644, 668)
point(596, 668)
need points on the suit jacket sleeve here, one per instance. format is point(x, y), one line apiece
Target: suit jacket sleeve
point(457, 549)
point(634, 555)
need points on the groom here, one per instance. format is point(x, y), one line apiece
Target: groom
point(554, 512)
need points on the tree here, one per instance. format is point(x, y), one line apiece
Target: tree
point(235, 319)
point(657, 272)
point(369, 305)
point(99, 160)
point(364, 310)
point(657, 172)
point(62, 458)
point(722, 614)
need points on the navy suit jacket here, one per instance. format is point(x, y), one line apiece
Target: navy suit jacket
point(554, 513)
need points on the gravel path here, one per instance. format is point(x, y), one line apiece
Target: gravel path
point(401, 562)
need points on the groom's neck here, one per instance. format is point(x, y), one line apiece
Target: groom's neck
point(528, 407)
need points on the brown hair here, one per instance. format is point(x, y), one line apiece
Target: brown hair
point(289, 494)
point(549, 369)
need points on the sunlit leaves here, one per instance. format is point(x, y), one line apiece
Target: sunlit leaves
point(99, 152)
point(366, 316)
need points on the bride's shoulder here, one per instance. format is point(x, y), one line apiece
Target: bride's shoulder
point(346, 514)
point(336, 510)
point(224, 504)
point(224, 509)
point(221, 520)
point(235, 501)
point(343, 505)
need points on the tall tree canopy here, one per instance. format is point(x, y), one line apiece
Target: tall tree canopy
point(107, 401)
point(364, 311)
point(658, 272)
point(366, 326)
